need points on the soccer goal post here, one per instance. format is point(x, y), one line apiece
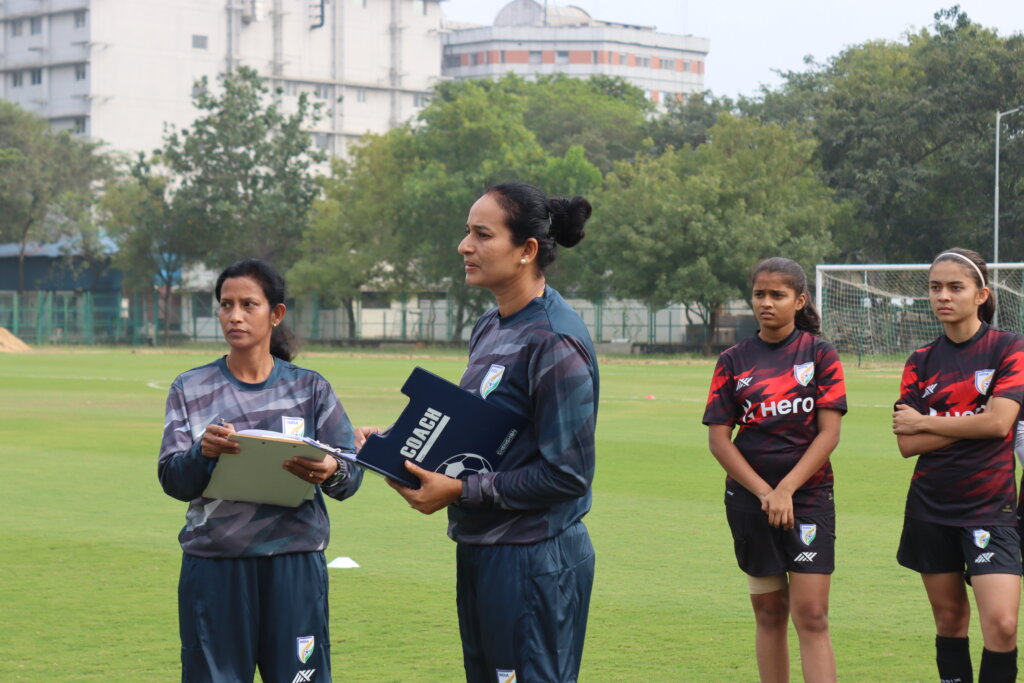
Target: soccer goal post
point(883, 309)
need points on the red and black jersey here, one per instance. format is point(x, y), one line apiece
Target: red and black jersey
point(970, 482)
point(773, 391)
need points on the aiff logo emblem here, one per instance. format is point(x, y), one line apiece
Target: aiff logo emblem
point(981, 538)
point(983, 378)
point(304, 647)
point(804, 373)
point(808, 532)
point(491, 380)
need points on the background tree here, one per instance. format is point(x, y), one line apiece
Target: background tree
point(462, 146)
point(686, 122)
point(46, 179)
point(395, 214)
point(157, 235)
point(906, 135)
point(687, 226)
point(351, 239)
point(245, 170)
point(603, 115)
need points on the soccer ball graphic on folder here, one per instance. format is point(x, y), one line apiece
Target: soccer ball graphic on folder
point(463, 465)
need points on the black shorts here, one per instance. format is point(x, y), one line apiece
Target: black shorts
point(931, 548)
point(763, 550)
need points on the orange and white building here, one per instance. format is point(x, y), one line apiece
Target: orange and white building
point(531, 38)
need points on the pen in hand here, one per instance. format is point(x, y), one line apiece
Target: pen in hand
point(216, 441)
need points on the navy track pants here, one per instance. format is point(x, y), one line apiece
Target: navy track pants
point(523, 608)
point(237, 614)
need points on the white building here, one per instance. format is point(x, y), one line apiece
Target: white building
point(117, 70)
point(529, 38)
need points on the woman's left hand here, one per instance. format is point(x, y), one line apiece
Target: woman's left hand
point(313, 471)
point(906, 420)
point(436, 491)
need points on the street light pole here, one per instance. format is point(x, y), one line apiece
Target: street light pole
point(995, 217)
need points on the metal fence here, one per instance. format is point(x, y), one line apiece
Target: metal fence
point(48, 317)
point(80, 317)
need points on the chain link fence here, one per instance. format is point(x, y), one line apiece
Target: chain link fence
point(50, 317)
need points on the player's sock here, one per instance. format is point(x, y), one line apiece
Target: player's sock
point(953, 657)
point(998, 667)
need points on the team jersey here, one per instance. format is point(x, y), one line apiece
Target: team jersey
point(227, 528)
point(971, 481)
point(540, 363)
point(773, 392)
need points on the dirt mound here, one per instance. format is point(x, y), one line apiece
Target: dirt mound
point(11, 344)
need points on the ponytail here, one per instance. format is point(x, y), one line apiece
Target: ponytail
point(553, 222)
point(283, 343)
point(807, 318)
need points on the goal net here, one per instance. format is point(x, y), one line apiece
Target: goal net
point(883, 310)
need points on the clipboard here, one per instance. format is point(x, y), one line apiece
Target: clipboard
point(254, 474)
point(443, 428)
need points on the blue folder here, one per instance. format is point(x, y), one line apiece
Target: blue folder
point(445, 429)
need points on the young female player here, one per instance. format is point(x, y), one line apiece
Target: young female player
point(525, 564)
point(959, 401)
point(784, 387)
point(253, 586)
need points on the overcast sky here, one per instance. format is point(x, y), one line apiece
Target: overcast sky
point(752, 38)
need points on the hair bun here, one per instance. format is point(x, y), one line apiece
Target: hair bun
point(568, 217)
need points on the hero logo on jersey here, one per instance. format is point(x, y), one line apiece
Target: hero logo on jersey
point(803, 373)
point(981, 538)
point(304, 647)
point(808, 532)
point(786, 406)
point(982, 379)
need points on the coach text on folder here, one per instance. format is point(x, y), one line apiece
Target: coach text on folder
point(445, 429)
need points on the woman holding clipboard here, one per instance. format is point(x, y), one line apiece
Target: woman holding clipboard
point(525, 563)
point(253, 586)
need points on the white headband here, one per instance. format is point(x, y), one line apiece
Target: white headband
point(961, 256)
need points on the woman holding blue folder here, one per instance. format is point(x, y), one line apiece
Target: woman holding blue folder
point(525, 563)
point(253, 586)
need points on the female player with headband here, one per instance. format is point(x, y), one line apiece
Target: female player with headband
point(960, 399)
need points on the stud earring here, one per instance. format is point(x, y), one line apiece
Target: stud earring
point(523, 260)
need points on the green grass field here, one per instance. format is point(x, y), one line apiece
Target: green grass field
point(89, 556)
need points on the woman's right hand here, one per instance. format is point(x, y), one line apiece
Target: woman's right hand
point(362, 433)
point(778, 505)
point(215, 440)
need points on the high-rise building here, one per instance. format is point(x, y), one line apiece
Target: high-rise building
point(531, 38)
point(118, 70)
